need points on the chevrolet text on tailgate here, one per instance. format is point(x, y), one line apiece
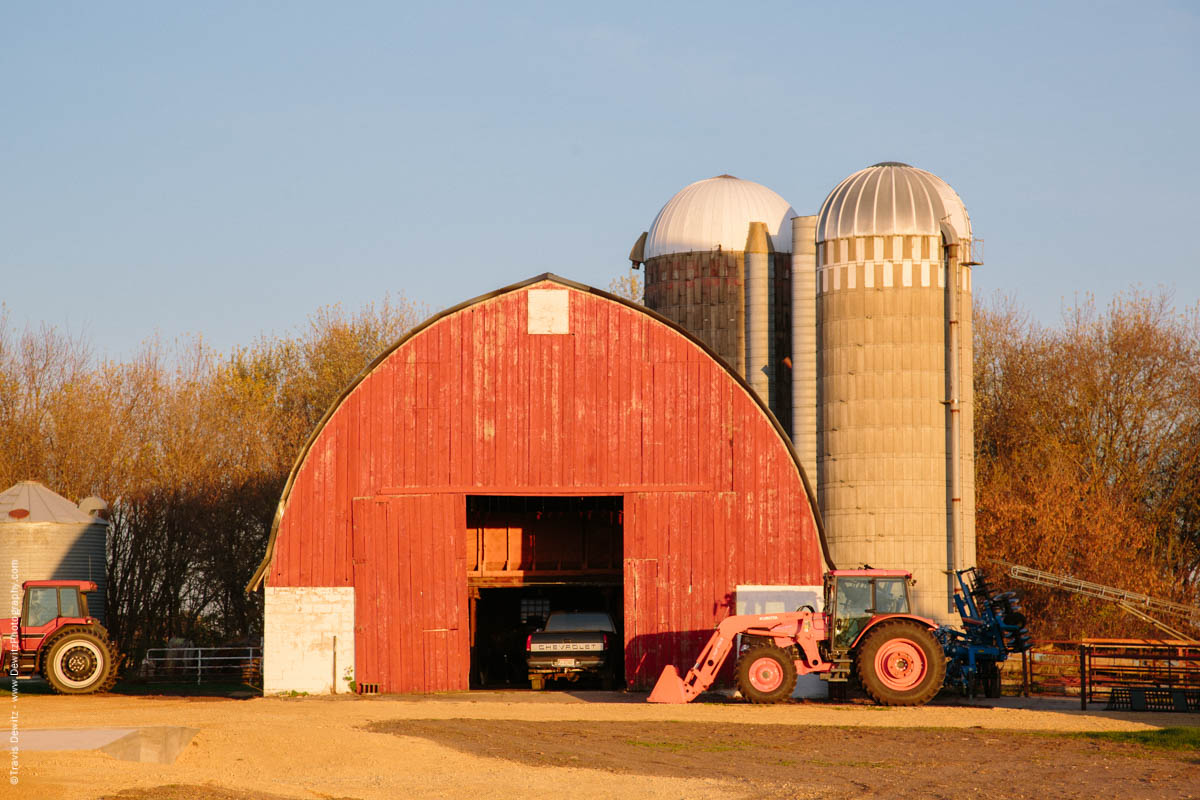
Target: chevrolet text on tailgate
point(573, 644)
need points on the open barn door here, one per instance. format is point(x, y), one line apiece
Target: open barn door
point(410, 626)
point(529, 556)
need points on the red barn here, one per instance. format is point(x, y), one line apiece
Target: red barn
point(544, 446)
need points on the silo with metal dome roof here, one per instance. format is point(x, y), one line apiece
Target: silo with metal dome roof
point(858, 332)
point(895, 400)
point(718, 262)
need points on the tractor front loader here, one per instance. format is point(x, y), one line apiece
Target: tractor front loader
point(870, 633)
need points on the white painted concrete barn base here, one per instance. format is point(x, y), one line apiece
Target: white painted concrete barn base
point(302, 624)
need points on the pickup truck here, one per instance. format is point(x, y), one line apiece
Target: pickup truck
point(573, 644)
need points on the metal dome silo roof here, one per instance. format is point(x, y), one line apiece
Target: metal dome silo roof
point(892, 198)
point(717, 212)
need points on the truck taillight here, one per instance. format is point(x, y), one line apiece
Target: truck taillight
point(605, 640)
point(529, 642)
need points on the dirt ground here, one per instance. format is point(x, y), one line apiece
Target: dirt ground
point(605, 745)
point(842, 762)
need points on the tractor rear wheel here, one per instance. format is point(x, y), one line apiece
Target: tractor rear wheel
point(79, 661)
point(900, 664)
point(766, 674)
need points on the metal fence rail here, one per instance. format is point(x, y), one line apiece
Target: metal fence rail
point(202, 663)
point(1092, 670)
point(1107, 666)
point(1051, 667)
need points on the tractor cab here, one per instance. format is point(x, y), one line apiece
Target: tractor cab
point(854, 597)
point(59, 640)
point(49, 605)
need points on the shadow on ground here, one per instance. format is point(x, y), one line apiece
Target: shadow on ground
point(782, 761)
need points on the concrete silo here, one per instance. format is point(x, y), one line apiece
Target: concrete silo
point(894, 408)
point(718, 263)
point(44, 536)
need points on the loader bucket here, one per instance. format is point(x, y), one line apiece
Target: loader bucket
point(669, 688)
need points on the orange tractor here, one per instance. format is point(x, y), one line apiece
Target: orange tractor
point(56, 638)
point(868, 632)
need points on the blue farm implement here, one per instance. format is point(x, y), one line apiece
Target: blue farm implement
point(993, 629)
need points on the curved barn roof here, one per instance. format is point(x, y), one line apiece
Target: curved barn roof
point(259, 576)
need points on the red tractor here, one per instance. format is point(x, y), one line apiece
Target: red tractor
point(54, 637)
point(866, 631)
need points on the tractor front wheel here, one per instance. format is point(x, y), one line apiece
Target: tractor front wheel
point(901, 664)
point(79, 661)
point(766, 674)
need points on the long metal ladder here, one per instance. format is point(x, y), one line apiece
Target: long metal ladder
point(1138, 605)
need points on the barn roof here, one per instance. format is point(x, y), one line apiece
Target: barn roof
point(259, 576)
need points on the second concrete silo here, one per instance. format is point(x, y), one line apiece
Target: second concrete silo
point(893, 307)
point(718, 263)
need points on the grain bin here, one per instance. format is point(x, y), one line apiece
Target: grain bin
point(894, 409)
point(711, 269)
point(44, 536)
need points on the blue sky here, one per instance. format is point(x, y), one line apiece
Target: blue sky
point(225, 169)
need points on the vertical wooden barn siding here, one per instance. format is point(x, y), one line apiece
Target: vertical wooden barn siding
point(473, 404)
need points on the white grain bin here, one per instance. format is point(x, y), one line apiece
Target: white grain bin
point(894, 413)
point(710, 269)
point(44, 536)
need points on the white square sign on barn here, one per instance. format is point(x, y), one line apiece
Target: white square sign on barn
point(549, 311)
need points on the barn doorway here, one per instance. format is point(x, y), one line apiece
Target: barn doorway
point(528, 557)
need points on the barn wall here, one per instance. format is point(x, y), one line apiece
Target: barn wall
point(301, 624)
point(621, 404)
